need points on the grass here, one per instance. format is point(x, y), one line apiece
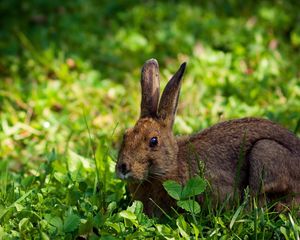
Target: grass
point(69, 86)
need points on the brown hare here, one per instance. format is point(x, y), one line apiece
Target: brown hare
point(151, 154)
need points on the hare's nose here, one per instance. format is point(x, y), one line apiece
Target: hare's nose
point(123, 168)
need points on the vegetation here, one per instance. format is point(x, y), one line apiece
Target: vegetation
point(69, 86)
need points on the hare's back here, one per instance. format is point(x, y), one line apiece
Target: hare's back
point(247, 131)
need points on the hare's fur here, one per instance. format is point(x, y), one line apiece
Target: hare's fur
point(238, 153)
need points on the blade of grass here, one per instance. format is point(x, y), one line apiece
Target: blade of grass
point(171, 219)
point(236, 214)
point(296, 233)
point(97, 179)
point(13, 204)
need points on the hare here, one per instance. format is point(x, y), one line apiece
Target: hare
point(151, 154)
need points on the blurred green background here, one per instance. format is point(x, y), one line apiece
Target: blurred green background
point(69, 86)
point(62, 62)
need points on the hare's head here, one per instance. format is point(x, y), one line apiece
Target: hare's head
point(149, 149)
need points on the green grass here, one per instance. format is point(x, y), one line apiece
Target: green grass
point(69, 86)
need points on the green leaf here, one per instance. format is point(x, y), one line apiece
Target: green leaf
point(164, 230)
point(2, 232)
point(193, 187)
point(19, 207)
point(71, 222)
point(54, 221)
point(24, 221)
point(44, 236)
point(189, 205)
point(182, 226)
point(115, 226)
point(111, 207)
point(136, 207)
point(196, 230)
point(173, 188)
point(60, 177)
point(76, 161)
point(283, 231)
point(128, 215)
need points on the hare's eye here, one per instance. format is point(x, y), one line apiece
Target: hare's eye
point(153, 142)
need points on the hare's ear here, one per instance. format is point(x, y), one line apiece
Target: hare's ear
point(150, 88)
point(169, 99)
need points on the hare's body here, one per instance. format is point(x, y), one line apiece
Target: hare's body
point(247, 152)
point(235, 154)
